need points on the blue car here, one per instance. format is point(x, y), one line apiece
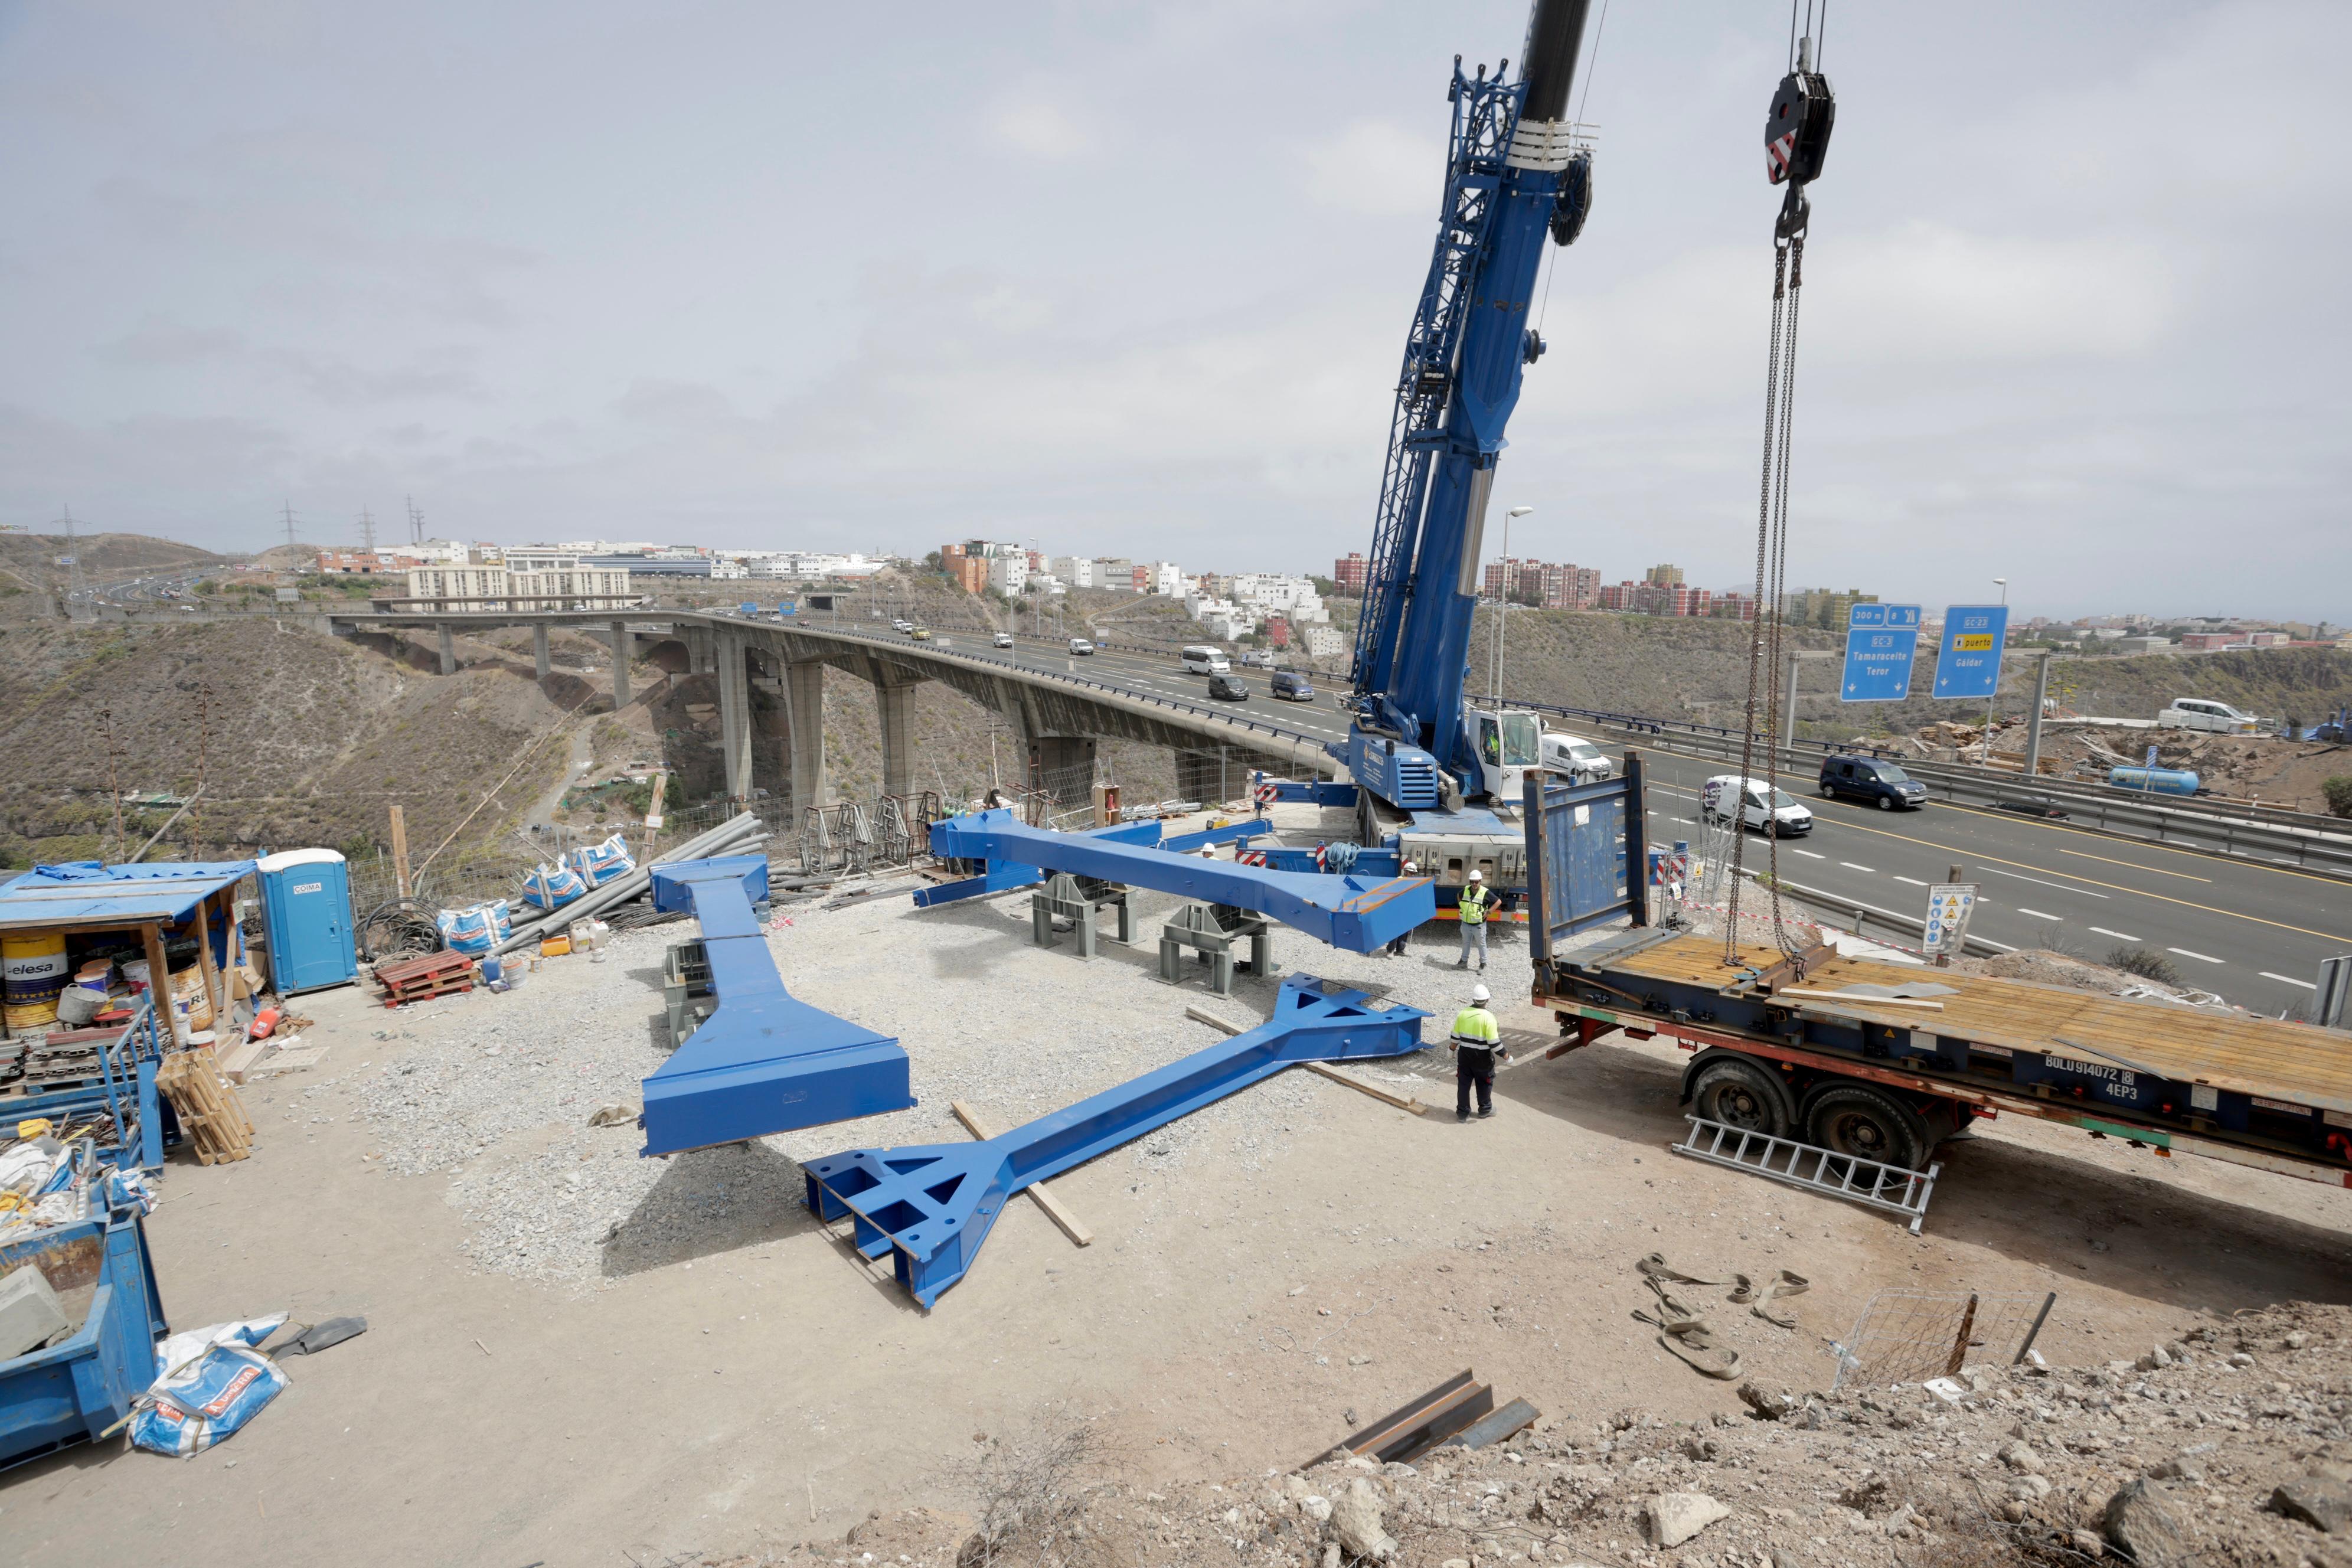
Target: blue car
point(1872, 779)
point(1291, 684)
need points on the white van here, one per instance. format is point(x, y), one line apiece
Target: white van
point(1202, 659)
point(1760, 803)
point(2199, 713)
point(1576, 756)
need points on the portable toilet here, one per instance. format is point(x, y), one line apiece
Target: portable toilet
point(306, 907)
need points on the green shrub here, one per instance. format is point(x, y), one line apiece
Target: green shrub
point(2339, 796)
point(2147, 965)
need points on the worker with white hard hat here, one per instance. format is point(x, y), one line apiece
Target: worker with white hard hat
point(1477, 1041)
point(1396, 948)
point(1475, 901)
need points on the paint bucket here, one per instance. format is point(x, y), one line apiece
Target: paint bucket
point(95, 976)
point(32, 973)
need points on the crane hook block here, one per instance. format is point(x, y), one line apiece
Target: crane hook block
point(1574, 203)
point(1797, 127)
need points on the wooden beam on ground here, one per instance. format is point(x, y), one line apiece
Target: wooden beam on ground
point(1361, 1085)
point(1053, 1207)
point(1365, 1086)
point(215, 993)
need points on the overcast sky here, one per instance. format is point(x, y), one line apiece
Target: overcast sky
point(1135, 278)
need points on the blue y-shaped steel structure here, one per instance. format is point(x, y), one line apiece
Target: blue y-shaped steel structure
point(765, 1062)
point(930, 1206)
point(1359, 913)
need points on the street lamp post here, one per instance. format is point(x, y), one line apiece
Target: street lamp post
point(1503, 608)
point(2002, 584)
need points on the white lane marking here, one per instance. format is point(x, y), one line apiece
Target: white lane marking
point(2061, 887)
point(2039, 914)
point(1913, 880)
point(1852, 867)
point(2118, 936)
point(2186, 952)
point(2286, 980)
point(1806, 853)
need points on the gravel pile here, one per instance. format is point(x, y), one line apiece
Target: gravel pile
point(498, 1091)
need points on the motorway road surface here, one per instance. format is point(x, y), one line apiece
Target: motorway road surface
point(2253, 933)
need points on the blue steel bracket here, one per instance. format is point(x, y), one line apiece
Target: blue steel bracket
point(1356, 913)
point(930, 1206)
point(763, 1062)
point(1240, 832)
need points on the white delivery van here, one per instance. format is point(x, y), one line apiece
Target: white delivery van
point(1202, 659)
point(1576, 756)
point(1757, 802)
point(2199, 713)
point(1080, 645)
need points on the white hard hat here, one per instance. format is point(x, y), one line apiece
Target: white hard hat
point(1208, 851)
point(1481, 995)
point(1413, 865)
point(1477, 876)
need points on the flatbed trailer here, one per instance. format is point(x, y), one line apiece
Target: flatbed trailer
point(1884, 1060)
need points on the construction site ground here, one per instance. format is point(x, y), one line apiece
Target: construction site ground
point(578, 1356)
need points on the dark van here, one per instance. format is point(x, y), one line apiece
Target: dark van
point(1872, 779)
point(1291, 684)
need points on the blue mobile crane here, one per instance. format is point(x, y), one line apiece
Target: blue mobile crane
point(1436, 781)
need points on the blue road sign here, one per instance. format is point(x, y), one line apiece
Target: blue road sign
point(1879, 642)
point(1967, 663)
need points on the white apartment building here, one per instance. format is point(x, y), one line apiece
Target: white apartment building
point(1164, 578)
point(1077, 571)
point(1325, 642)
point(1114, 572)
point(1292, 596)
point(1009, 574)
point(504, 588)
point(447, 550)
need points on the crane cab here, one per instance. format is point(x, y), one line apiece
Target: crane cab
point(1509, 747)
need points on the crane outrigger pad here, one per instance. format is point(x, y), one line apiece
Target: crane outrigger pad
point(930, 1206)
point(765, 1062)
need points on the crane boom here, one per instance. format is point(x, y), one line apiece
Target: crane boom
point(1514, 175)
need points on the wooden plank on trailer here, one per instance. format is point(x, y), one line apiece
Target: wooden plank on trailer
point(1055, 1209)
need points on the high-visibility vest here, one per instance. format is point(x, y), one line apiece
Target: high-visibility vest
point(1473, 904)
point(1475, 1027)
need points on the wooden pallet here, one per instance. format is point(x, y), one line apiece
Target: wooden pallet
point(417, 979)
point(210, 1114)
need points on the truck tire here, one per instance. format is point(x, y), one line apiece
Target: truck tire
point(1731, 1088)
point(1858, 1119)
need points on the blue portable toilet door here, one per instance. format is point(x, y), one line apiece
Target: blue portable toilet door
point(307, 904)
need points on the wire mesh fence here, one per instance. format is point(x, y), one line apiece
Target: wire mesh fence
point(1910, 1336)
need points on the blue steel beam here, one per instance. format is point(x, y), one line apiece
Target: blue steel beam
point(930, 1206)
point(1359, 913)
point(763, 1062)
point(1005, 876)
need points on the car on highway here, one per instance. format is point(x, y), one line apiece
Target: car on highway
point(900, 624)
point(1290, 684)
point(1081, 646)
point(1253, 658)
point(1872, 779)
point(1758, 803)
point(1576, 756)
point(1004, 640)
point(2200, 713)
point(920, 633)
point(1202, 660)
point(1228, 689)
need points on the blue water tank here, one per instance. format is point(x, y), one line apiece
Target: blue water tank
point(2154, 780)
point(306, 907)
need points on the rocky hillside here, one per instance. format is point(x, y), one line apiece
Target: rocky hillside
point(28, 561)
point(1697, 669)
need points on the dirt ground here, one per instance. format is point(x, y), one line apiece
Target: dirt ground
point(767, 1389)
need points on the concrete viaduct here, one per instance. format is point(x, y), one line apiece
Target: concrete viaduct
point(1056, 719)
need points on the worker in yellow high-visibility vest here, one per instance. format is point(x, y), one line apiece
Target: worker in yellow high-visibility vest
point(1476, 1042)
point(1475, 901)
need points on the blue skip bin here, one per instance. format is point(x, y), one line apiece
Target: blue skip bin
point(76, 1389)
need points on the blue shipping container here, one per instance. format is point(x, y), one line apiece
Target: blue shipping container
point(306, 907)
point(2158, 781)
